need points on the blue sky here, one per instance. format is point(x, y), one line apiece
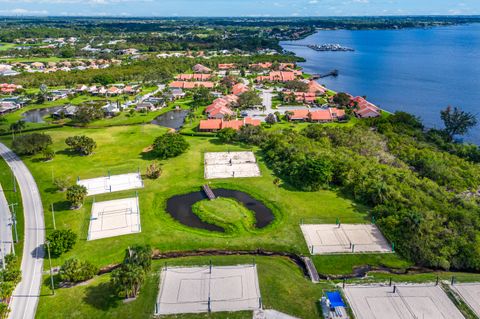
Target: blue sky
point(237, 7)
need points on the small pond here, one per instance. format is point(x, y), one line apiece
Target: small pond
point(37, 115)
point(172, 119)
point(180, 208)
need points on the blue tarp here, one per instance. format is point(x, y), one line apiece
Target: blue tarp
point(335, 299)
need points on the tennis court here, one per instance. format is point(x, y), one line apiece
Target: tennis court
point(114, 218)
point(407, 302)
point(208, 289)
point(470, 293)
point(344, 238)
point(230, 165)
point(113, 183)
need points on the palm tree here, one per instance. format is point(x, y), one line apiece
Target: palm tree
point(139, 255)
point(127, 279)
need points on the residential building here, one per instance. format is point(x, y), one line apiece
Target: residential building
point(214, 125)
point(363, 108)
point(198, 68)
point(239, 89)
point(278, 76)
point(191, 85)
point(194, 77)
point(316, 115)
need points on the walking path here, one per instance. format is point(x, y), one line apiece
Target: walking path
point(6, 239)
point(25, 296)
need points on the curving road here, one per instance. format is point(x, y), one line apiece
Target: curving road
point(25, 297)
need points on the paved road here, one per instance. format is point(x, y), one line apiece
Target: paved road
point(25, 297)
point(6, 239)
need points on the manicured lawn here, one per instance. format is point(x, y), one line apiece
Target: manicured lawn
point(344, 264)
point(226, 213)
point(282, 284)
point(120, 151)
point(13, 197)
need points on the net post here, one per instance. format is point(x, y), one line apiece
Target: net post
point(337, 221)
point(344, 281)
point(78, 179)
point(210, 266)
point(260, 302)
point(110, 188)
point(353, 248)
point(209, 305)
point(156, 308)
point(436, 283)
point(166, 266)
point(394, 288)
point(254, 262)
point(390, 284)
point(453, 280)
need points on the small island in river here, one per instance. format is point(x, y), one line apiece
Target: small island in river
point(330, 47)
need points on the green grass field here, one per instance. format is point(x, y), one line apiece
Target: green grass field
point(120, 151)
point(226, 213)
point(282, 285)
point(13, 197)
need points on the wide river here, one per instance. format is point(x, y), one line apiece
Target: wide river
point(420, 71)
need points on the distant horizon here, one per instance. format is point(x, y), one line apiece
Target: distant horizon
point(236, 8)
point(246, 16)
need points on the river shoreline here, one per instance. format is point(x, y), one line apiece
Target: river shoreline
point(414, 70)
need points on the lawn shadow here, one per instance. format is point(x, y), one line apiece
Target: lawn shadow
point(51, 190)
point(101, 296)
point(148, 156)
point(61, 206)
point(69, 152)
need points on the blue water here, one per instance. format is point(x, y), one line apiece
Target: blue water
point(420, 71)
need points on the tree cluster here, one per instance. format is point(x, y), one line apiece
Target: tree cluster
point(127, 279)
point(31, 144)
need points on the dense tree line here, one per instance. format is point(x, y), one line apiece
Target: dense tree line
point(420, 194)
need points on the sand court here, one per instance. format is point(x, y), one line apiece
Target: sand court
point(208, 289)
point(401, 302)
point(230, 165)
point(113, 183)
point(345, 238)
point(114, 218)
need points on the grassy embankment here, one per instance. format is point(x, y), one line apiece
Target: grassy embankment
point(13, 197)
point(282, 285)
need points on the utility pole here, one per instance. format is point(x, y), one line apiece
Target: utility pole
point(14, 220)
point(53, 217)
point(50, 261)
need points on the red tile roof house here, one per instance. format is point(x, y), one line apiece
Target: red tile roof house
point(239, 89)
point(315, 87)
point(114, 91)
point(6, 88)
point(226, 66)
point(131, 90)
point(320, 116)
point(364, 109)
point(277, 76)
point(213, 125)
point(220, 108)
point(302, 97)
point(193, 77)
point(191, 85)
point(198, 68)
